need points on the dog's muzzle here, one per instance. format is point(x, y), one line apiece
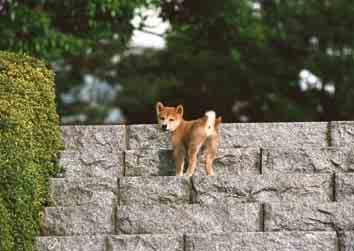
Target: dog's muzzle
point(164, 127)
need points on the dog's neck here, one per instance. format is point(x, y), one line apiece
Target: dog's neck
point(179, 127)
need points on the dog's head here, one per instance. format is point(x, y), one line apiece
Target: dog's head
point(169, 118)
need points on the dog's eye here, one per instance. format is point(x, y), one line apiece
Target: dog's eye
point(162, 118)
point(171, 120)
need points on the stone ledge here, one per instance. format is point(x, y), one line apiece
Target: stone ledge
point(342, 133)
point(154, 190)
point(178, 219)
point(71, 243)
point(344, 187)
point(240, 135)
point(233, 161)
point(93, 218)
point(333, 216)
point(100, 164)
point(289, 241)
point(263, 188)
point(78, 191)
point(145, 243)
point(307, 160)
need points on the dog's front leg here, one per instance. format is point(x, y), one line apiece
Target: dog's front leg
point(179, 155)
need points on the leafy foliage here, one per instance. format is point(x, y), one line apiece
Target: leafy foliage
point(243, 58)
point(29, 145)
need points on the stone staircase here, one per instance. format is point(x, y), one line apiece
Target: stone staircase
point(278, 186)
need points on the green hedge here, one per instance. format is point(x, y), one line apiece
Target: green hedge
point(29, 145)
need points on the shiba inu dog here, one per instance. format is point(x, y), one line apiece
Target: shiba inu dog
point(189, 136)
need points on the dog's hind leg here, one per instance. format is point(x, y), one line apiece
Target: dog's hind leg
point(193, 150)
point(211, 149)
point(179, 154)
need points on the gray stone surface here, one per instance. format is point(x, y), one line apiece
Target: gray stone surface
point(232, 161)
point(263, 188)
point(342, 133)
point(309, 217)
point(274, 134)
point(347, 241)
point(149, 162)
point(307, 160)
point(93, 151)
point(240, 135)
point(194, 218)
point(93, 218)
point(94, 137)
point(345, 187)
point(148, 136)
point(154, 190)
point(71, 243)
point(145, 243)
point(282, 241)
point(81, 191)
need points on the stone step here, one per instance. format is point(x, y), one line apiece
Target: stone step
point(263, 188)
point(244, 134)
point(248, 241)
point(154, 190)
point(159, 162)
point(335, 216)
point(71, 192)
point(111, 243)
point(344, 187)
point(308, 160)
point(93, 151)
point(71, 243)
point(92, 218)
point(193, 218)
point(289, 241)
point(120, 137)
point(145, 242)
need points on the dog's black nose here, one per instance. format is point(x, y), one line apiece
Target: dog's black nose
point(164, 127)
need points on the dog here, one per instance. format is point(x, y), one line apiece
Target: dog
point(189, 136)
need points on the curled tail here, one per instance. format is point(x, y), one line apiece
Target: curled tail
point(210, 122)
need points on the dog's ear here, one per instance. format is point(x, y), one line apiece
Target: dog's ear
point(179, 109)
point(159, 107)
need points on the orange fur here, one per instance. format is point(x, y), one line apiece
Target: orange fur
point(189, 136)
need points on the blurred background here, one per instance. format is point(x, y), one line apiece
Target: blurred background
point(250, 60)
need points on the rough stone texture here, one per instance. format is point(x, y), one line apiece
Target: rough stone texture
point(93, 151)
point(177, 219)
point(240, 135)
point(93, 218)
point(154, 190)
point(147, 136)
point(342, 133)
point(149, 162)
point(71, 243)
point(282, 241)
point(274, 134)
point(309, 217)
point(347, 241)
point(145, 243)
point(232, 161)
point(307, 160)
point(80, 191)
point(345, 187)
point(263, 188)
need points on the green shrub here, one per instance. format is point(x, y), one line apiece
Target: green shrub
point(29, 145)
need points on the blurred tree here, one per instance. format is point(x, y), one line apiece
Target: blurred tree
point(243, 59)
point(75, 37)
